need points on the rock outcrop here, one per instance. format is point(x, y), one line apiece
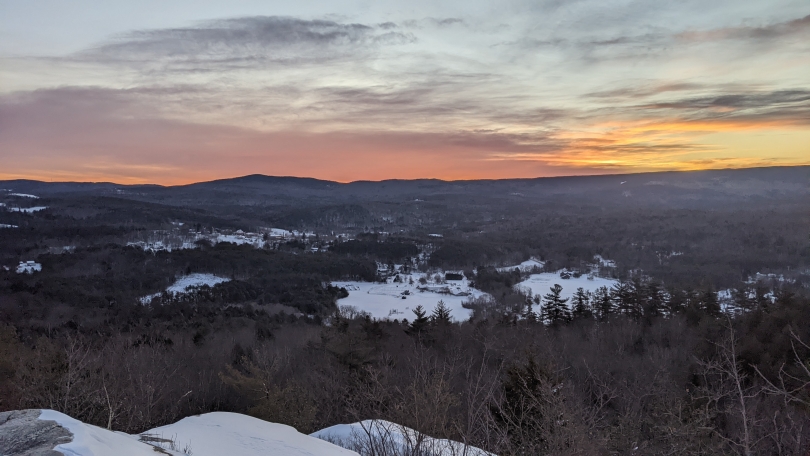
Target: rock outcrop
point(22, 433)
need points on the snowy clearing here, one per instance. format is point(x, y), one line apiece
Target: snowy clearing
point(188, 283)
point(27, 210)
point(539, 284)
point(391, 438)
point(526, 266)
point(28, 267)
point(394, 300)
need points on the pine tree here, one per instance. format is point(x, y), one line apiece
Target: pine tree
point(602, 303)
point(582, 304)
point(742, 300)
point(622, 298)
point(676, 302)
point(653, 300)
point(709, 302)
point(420, 323)
point(529, 314)
point(555, 310)
point(441, 314)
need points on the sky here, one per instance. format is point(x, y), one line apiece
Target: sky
point(182, 91)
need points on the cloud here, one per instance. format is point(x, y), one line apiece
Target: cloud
point(780, 30)
point(95, 132)
point(246, 41)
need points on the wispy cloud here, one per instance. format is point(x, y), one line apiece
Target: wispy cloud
point(245, 42)
point(526, 89)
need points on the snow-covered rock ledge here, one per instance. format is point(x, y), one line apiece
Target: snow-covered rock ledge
point(50, 433)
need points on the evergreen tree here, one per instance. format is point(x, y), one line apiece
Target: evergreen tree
point(582, 304)
point(638, 299)
point(709, 302)
point(653, 300)
point(529, 314)
point(676, 301)
point(742, 300)
point(622, 297)
point(602, 303)
point(441, 314)
point(420, 322)
point(555, 310)
point(763, 301)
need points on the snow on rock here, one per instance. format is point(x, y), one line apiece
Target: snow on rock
point(187, 284)
point(24, 195)
point(89, 440)
point(396, 300)
point(210, 434)
point(526, 266)
point(27, 210)
point(222, 433)
point(392, 438)
point(539, 284)
point(28, 267)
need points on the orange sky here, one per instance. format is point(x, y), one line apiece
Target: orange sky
point(347, 92)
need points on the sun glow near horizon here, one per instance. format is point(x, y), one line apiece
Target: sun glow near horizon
point(521, 89)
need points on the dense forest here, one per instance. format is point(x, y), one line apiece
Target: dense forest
point(701, 346)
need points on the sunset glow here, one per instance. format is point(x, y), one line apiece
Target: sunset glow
point(346, 91)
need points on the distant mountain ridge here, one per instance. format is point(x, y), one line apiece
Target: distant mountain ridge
point(676, 187)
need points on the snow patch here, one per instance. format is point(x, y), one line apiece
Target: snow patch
point(210, 434)
point(526, 266)
point(605, 263)
point(233, 434)
point(391, 438)
point(3, 225)
point(187, 284)
point(24, 195)
point(28, 267)
point(27, 210)
point(89, 440)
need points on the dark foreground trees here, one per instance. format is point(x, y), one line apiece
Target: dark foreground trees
point(620, 386)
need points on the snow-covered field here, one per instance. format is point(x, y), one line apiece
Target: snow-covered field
point(188, 283)
point(385, 300)
point(28, 267)
point(392, 438)
point(541, 283)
